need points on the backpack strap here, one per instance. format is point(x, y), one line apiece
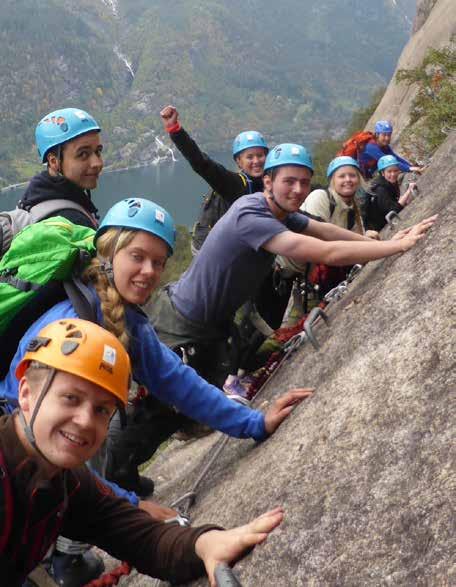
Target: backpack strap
point(6, 505)
point(20, 284)
point(332, 206)
point(332, 203)
point(44, 209)
point(82, 299)
point(246, 181)
point(79, 294)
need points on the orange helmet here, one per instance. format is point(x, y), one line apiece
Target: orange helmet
point(84, 349)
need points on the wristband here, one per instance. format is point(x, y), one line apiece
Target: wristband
point(174, 128)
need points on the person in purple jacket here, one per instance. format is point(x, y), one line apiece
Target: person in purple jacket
point(379, 147)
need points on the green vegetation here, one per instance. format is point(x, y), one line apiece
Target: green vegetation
point(181, 259)
point(51, 57)
point(433, 113)
point(226, 66)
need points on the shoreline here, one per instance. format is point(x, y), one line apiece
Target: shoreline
point(107, 169)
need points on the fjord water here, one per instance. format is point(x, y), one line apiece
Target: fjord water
point(173, 185)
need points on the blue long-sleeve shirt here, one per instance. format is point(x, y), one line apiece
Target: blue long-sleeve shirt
point(372, 153)
point(163, 374)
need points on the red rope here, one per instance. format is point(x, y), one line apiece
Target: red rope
point(140, 394)
point(281, 335)
point(111, 578)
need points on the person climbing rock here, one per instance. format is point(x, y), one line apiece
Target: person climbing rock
point(197, 311)
point(133, 243)
point(226, 186)
point(384, 192)
point(337, 205)
point(380, 146)
point(249, 152)
point(72, 378)
point(69, 143)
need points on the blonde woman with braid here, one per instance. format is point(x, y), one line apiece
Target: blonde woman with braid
point(133, 243)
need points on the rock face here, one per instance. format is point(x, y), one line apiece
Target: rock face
point(366, 468)
point(435, 24)
point(423, 10)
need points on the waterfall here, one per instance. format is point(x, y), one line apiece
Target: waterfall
point(122, 57)
point(164, 147)
point(112, 4)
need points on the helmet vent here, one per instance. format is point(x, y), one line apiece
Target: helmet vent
point(37, 343)
point(133, 207)
point(69, 346)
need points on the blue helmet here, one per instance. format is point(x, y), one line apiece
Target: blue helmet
point(60, 126)
point(341, 162)
point(140, 214)
point(387, 161)
point(288, 154)
point(247, 140)
point(383, 126)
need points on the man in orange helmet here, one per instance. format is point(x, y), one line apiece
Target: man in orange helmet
point(73, 378)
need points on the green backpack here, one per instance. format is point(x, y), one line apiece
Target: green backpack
point(42, 266)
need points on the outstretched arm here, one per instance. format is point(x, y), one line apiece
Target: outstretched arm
point(225, 182)
point(305, 249)
point(330, 232)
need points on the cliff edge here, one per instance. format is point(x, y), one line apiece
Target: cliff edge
point(435, 25)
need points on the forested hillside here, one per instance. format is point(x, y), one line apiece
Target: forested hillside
point(293, 69)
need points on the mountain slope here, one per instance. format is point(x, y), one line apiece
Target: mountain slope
point(292, 69)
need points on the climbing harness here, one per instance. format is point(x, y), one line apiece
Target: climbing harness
point(340, 290)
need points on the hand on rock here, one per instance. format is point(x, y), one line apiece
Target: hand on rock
point(169, 116)
point(228, 546)
point(156, 511)
point(419, 229)
point(283, 406)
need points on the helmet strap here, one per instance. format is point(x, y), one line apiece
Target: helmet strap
point(273, 199)
point(28, 427)
point(59, 159)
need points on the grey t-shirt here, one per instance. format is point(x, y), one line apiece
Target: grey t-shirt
point(231, 265)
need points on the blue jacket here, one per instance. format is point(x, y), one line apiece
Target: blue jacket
point(372, 153)
point(163, 374)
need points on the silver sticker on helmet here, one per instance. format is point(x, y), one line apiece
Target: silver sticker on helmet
point(159, 216)
point(109, 355)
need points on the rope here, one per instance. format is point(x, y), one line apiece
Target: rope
point(113, 577)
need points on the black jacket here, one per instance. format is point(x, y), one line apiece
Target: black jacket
point(226, 186)
point(44, 187)
point(385, 199)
